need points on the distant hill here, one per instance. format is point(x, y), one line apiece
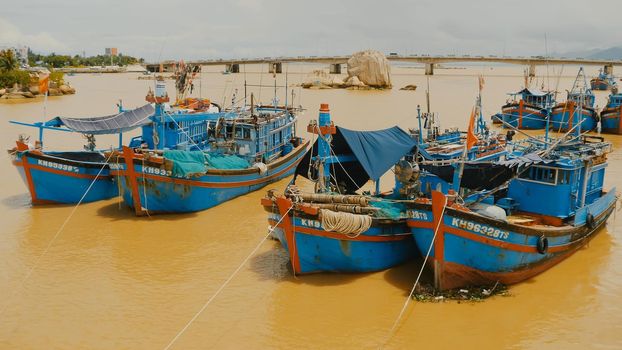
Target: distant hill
point(612, 53)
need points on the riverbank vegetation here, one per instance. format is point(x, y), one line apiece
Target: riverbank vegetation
point(60, 61)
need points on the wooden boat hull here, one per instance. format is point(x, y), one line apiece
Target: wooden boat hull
point(611, 119)
point(312, 249)
point(148, 188)
point(565, 116)
point(53, 177)
point(524, 116)
point(470, 249)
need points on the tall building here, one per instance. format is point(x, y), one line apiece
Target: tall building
point(112, 51)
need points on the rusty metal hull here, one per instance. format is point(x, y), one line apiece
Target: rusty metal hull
point(470, 249)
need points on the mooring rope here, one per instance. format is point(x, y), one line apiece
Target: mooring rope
point(226, 281)
point(49, 245)
point(412, 290)
point(351, 225)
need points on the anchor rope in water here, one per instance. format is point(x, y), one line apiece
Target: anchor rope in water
point(227, 281)
point(49, 245)
point(412, 290)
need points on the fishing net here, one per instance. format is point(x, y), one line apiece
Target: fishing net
point(186, 163)
point(220, 161)
point(389, 209)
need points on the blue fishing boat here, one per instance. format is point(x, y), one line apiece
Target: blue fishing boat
point(334, 229)
point(450, 144)
point(552, 206)
point(68, 177)
point(604, 81)
point(473, 158)
point(197, 161)
point(565, 115)
point(611, 115)
point(528, 109)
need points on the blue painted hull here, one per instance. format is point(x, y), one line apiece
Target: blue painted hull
point(564, 117)
point(600, 84)
point(610, 120)
point(471, 249)
point(160, 192)
point(524, 116)
point(316, 250)
point(50, 178)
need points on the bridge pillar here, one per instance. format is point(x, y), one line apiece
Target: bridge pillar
point(275, 67)
point(608, 69)
point(233, 68)
point(429, 69)
point(532, 70)
point(335, 68)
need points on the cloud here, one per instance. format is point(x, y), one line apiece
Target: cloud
point(10, 35)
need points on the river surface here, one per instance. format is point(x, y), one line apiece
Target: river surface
point(111, 280)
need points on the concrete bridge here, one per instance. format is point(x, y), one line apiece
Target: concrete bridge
point(275, 64)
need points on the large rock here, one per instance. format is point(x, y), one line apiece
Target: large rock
point(54, 92)
point(15, 95)
point(318, 79)
point(34, 89)
point(371, 68)
point(65, 89)
point(2, 92)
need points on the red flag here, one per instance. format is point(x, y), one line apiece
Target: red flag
point(471, 138)
point(44, 82)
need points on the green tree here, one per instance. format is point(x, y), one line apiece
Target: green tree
point(8, 61)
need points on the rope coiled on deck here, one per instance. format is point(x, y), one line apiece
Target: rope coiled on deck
point(351, 225)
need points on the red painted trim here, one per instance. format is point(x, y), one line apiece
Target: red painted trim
point(283, 204)
point(490, 241)
point(195, 183)
point(128, 153)
point(342, 237)
point(31, 186)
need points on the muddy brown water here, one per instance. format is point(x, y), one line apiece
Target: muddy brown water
point(114, 281)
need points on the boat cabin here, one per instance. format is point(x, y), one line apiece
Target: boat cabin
point(537, 98)
point(561, 187)
point(615, 100)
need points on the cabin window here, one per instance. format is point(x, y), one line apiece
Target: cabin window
point(564, 177)
point(538, 174)
point(247, 134)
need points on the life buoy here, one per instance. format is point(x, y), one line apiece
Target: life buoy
point(589, 220)
point(543, 245)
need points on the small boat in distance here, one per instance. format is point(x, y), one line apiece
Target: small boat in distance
point(529, 109)
point(604, 81)
point(611, 115)
point(334, 229)
point(567, 114)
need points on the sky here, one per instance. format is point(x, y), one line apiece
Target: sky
point(200, 29)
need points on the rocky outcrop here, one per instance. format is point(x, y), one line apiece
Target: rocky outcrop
point(371, 68)
point(366, 70)
point(18, 92)
point(67, 90)
point(319, 79)
point(410, 87)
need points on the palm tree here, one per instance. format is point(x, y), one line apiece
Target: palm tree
point(8, 61)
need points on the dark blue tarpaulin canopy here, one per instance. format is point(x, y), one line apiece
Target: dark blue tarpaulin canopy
point(110, 124)
point(371, 154)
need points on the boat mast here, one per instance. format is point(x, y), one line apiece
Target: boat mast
point(420, 141)
point(324, 128)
